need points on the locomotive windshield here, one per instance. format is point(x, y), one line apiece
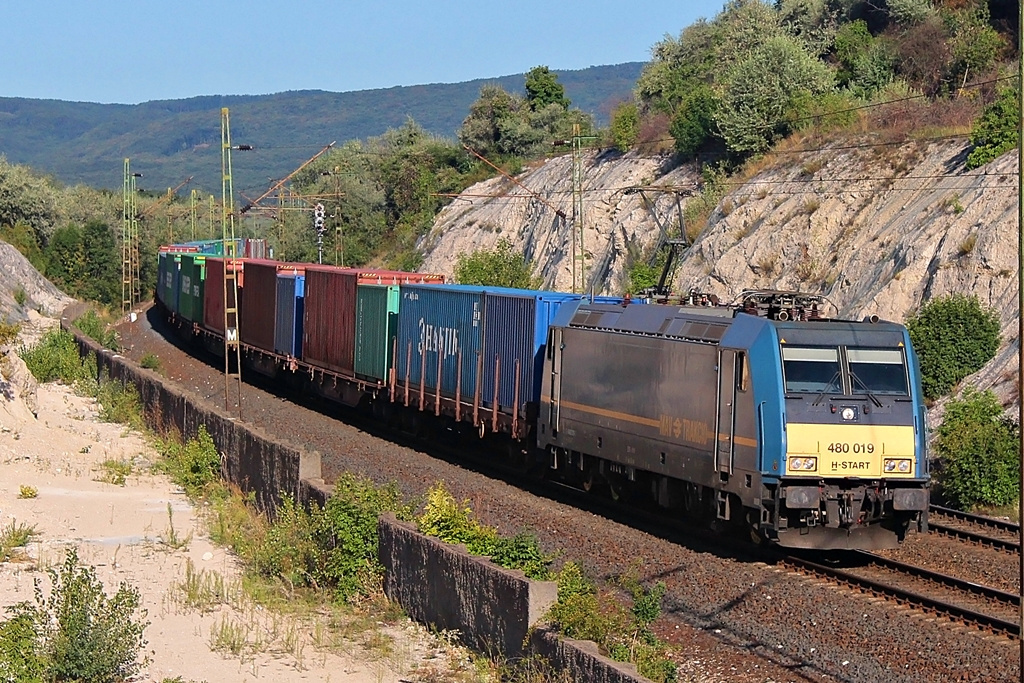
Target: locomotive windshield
point(811, 370)
point(844, 370)
point(877, 371)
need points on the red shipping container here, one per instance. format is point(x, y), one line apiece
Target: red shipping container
point(213, 295)
point(329, 326)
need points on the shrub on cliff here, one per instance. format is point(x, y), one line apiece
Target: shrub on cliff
point(953, 336)
point(977, 446)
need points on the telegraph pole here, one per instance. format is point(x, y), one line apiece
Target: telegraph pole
point(577, 208)
point(1020, 315)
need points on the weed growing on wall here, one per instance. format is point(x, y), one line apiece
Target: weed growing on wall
point(453, 522)
point(193, 465)
point(98, 330)
point(582, 612)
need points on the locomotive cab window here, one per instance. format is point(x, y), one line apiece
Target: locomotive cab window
point(811, 370)
point(877, 371)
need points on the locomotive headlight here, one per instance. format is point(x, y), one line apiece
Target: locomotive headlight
point(803, 464)
point(896, 465)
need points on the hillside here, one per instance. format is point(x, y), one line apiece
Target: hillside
point(170, 140)
point(873, 232)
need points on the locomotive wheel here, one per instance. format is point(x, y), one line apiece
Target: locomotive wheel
point(620, 488)
point(591, 479)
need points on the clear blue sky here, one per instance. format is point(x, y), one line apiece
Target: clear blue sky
point(130, 52)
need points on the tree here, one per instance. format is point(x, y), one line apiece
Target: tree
point(480, 130)
point(761, 90)
point(65, 257)
point(502, 266)
point(978, 450)
point(625, 126)
point(953, 337)
point(693, 126)
point(102, 264)
point(26, 198)
point(543, 88)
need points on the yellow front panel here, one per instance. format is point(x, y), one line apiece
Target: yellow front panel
point(849, 450)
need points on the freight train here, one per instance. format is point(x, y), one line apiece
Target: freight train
point(808, 431)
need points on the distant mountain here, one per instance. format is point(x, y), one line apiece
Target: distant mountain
point(170, 140)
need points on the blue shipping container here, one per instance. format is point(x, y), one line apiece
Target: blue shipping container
point(440, 324)
point(289, 314)
point(515, 330)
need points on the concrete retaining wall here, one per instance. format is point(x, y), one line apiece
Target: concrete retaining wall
point(439, 585)
point(442, 585)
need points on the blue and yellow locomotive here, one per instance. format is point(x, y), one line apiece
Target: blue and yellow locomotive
point(811, 431)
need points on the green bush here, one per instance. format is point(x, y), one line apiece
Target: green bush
point(9, 333)
point(580, 612)
point(120, 403)
point(445, 518)
point(977, 446)
point(150, 361)
point(193, 465)
point(953, 336)
point(333, 547)
point(77, 633)
point(55, 359)
point(93, 327)
point(498, 267)
point(995, 131)
point(21, 660)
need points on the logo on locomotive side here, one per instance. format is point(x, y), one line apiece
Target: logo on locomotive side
point(694, 431)
point(443, 340)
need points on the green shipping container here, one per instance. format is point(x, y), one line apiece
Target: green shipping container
point(376, 327)
point(193, 281)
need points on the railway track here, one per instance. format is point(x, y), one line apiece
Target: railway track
point(986, 608)
point(976, 529)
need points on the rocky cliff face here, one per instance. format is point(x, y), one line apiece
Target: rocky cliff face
point(873, 228)
point(618, 219)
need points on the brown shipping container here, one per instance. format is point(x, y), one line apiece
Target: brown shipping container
point(256, 314)
point(213, 295)
point(328, 330)
point(329, 327)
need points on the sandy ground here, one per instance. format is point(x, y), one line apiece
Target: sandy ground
point(146, 532)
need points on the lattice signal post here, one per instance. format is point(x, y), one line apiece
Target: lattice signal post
point(130, 288)
point(232, 345)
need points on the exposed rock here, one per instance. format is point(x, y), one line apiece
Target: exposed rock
point(616, 217)
point(874, 228)
point(17, 275)
point(17, 389)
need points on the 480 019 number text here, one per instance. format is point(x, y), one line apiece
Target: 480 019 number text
point(844, 447)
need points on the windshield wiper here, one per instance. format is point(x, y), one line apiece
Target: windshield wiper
point(867, 391)
point(825, 391)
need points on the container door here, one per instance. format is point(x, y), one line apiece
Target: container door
point(726, 422)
